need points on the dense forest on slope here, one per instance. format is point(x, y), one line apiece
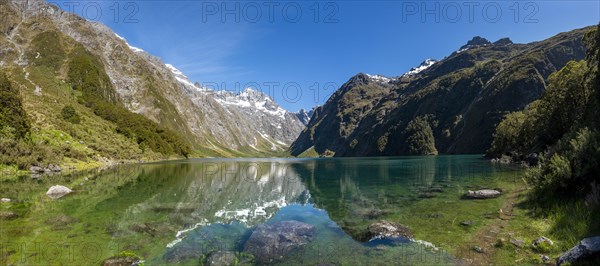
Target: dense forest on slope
point(458, 101)
point(563, 128)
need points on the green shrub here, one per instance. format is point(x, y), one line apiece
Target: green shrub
point(23, 152)
point(70, 115)
point(507, 135)
point(11, 109)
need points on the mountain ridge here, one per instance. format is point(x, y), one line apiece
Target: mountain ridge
point(459, 99)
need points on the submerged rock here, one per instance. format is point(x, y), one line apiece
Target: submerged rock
point(370, 214)
point(466, 223)
point(221, 258)
point(426, 195)
point(58, 191)
point(5, 215)
point(517, 242)
point(483, 194)
point(436, 189)
point(386, 229)
point(587, 248)
point(122, 261)
point(61, 222)
point(478, 249)
point(270, 242)
point(143, 228)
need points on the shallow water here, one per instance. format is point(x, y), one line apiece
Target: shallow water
point(180, 211)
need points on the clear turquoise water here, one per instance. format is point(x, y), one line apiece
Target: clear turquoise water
point(178, 212)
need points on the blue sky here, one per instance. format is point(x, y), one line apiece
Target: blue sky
point(301, 59)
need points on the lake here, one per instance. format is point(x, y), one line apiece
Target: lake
point(180, 212)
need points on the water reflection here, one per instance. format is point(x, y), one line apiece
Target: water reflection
point(178, 212)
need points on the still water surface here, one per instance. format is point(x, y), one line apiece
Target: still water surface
point(181, 211)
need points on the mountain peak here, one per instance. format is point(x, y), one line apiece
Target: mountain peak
point(360, 78)
point(475, 42)
point(304, 116)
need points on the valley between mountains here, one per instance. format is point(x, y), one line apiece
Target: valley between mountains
point(492, 151)
point(87, 97)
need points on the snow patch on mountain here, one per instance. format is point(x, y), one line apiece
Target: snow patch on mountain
point(462, 50)
point(422, 67)
point(180, 77)
point(253, 99)
point(380, 78)
point(133, 48)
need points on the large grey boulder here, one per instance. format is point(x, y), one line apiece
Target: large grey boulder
point(386, 229)
point(271, 242)
point(58, 191)
point(587, 248)
point(483, 194)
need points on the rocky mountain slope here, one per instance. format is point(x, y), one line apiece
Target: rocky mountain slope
point(248, 119)
point(450, 106)
point(40, 46)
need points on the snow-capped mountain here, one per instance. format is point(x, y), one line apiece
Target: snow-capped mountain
point(230, 124)
point(249, 117)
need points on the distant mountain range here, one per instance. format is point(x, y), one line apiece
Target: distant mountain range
point(446, 106)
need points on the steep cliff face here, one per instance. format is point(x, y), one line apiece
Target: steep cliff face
point(457, 100)
point(211, 121)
